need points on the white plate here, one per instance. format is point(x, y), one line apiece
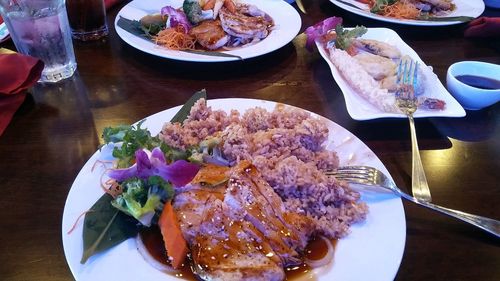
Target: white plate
point(286, 19)
point(361, 109)
point(373, 250)
point(469, 8)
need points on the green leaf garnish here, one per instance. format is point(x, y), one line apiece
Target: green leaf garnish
point(345, 37)
point(380, 4)
point(183, 113)
point(105, 227)
point(132, 138)
point(133, 27)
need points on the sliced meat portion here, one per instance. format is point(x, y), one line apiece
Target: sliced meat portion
point(210, 34)
point(224, 249)
point(240, 230)
point(378, 67)
point(190, 204)
point(251, 197)
point(244, 25)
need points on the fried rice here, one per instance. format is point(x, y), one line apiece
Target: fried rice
point(287, 146)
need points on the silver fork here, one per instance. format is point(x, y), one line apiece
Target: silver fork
point(370, 176)
point(406, 101)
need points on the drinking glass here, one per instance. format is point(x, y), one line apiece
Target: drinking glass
point(40, 28)
point(87, 19)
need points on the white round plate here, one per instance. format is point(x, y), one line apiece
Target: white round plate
point(372, 251)
point(468, 8)
point(286, 19)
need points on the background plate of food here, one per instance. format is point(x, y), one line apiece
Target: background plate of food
point(207, 30)
point(367, 74)
point(371, 247)
point(415, 12)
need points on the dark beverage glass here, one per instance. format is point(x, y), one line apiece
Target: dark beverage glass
point(87, 19)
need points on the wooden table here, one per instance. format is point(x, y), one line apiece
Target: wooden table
point(59, 126)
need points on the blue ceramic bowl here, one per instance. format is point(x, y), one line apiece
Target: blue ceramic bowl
point(492, 3)
point(473, 98)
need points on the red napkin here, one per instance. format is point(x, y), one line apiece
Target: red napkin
point(17, 73)
point(111, 3)
point(483, 27)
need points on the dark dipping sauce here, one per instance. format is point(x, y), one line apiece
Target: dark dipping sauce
point(479, 82)
point(153, 241)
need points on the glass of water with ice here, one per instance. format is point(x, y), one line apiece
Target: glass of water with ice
point(40, 29)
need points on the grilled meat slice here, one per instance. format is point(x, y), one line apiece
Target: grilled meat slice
point(224, 249)
point(255, 200)
point(244, 25)
point(210, 34)
point(190, 204)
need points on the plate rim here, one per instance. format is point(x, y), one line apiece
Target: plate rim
point(367, 14)
point(123, 34)
point(397, 200)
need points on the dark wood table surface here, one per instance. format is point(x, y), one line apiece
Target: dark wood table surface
point(58, 128)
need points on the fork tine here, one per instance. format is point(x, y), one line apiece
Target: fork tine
point(352, 177)
point(408, 73)
point(359, 169)
point(364, 168)
point(355, 180)
point(345, 175)
point(398, 73)
point(405, 72)
point(415, 75)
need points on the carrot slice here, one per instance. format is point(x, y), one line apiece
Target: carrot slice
point(175, 244)
point(210, 4)
point(211, 174)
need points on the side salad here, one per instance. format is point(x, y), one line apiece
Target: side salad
point(141, 186)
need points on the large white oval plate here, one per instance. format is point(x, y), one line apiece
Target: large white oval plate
point(468, 8)
point(286, 19)
point(373, 250)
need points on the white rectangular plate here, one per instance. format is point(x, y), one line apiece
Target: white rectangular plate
point(361, 109)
